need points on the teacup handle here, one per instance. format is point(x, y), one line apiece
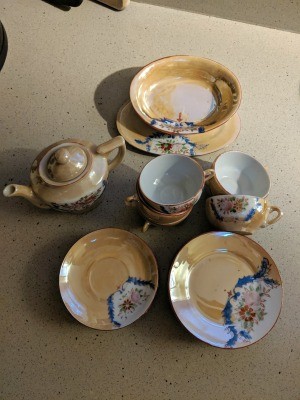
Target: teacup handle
point(131, 201)
point(146, 226)
point(106, 148)
point(276, 218)
point(208, 174)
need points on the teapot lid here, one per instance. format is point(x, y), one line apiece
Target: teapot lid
point(64, 163)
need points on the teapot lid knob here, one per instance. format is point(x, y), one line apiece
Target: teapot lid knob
point(66, 163)
point(62, 156)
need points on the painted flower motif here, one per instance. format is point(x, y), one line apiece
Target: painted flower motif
point(159, 143)
point(83, 203)
point(240, 204)
point(232, 204)
point(129, 300)
point(232, 209)
point(127, 306)
point(135, 296)
point(228, 206)
point(166, 147)
point(34, 166)
point(247, 313)
point(250, 308)
point(252, 298)
point(178, 125)
point(246, 304)
point(176, 209)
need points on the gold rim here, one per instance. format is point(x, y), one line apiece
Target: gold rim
point(177, 317)
point(206, 129)
point(239, 152)
point(154, 267)
point(186, 201)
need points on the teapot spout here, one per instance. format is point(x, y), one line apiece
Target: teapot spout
point(26, 192)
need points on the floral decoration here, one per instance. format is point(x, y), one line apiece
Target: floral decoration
point(159, 143)
point(83, 203)
point(34, 166)
point(50, 166)
point(232, 204)
point(233, 209)
point(132, 300)
point(175, 209)
point(129, 300)
point(246, 304)
point(178, 125)
point(169, 209)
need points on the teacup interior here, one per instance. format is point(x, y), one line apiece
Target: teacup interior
point(240, 173)
point(171, 179)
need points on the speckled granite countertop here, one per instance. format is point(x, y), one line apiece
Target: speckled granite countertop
point(66, 75)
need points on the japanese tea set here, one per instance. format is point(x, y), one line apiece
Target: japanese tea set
point(224, 287)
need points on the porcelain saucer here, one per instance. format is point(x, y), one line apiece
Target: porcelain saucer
point(108, 279)
point(225, 289)
point(141, 136)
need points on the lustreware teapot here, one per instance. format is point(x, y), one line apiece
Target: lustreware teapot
point(70, 175)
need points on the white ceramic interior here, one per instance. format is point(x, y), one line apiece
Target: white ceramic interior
point(171, 179)
point(240, 173)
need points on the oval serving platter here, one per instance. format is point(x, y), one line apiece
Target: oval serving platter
point(108, 279)
point(185, 94)
point(225, 289)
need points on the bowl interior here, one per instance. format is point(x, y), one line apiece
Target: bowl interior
point(171, 179)
point(240, 173)
point(186, 89)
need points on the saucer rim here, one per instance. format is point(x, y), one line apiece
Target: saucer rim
point(155, 283)
point(213, 232)
point(131, 138)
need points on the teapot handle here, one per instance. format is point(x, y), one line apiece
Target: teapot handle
point(106, 148)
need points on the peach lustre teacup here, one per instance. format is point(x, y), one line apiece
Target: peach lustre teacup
point(172, 183)
point(238, 173)
point(240, 213)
